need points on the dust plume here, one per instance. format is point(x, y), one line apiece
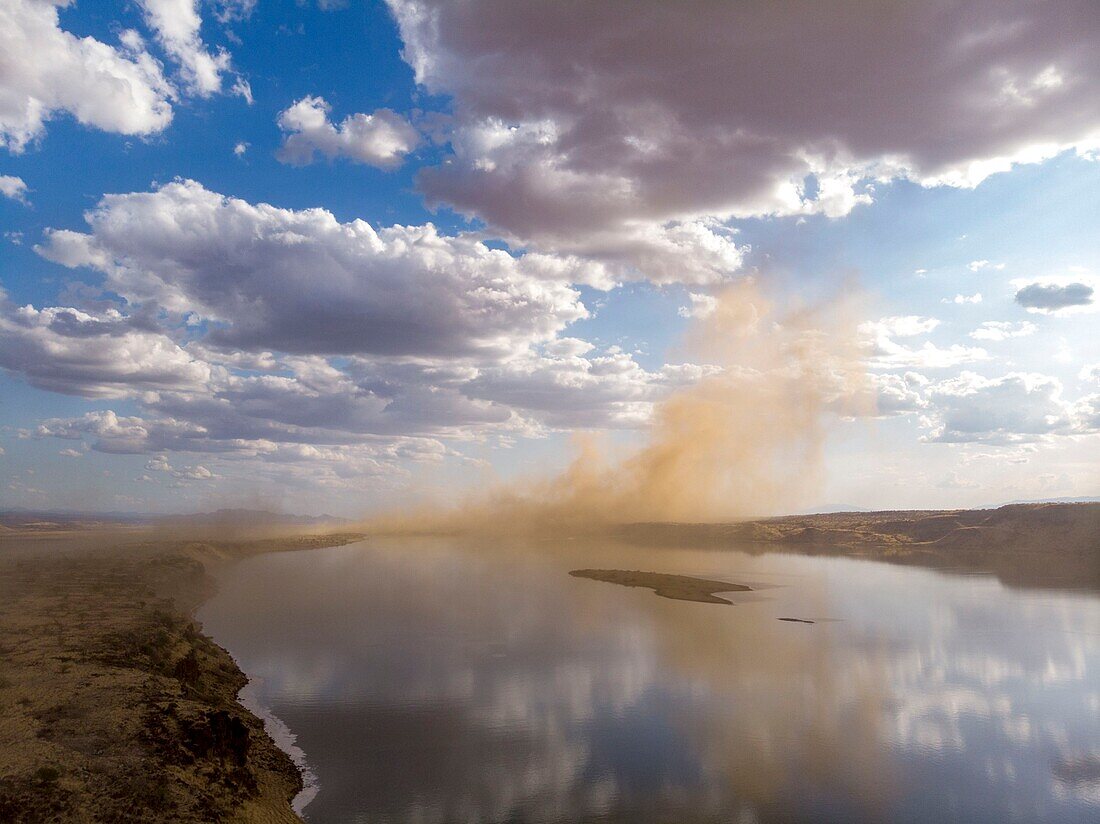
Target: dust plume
point(744, 441)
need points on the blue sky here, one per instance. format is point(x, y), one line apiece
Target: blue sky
point(179, 332)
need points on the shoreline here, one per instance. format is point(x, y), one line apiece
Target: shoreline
point(286, 740)
point(114, 704)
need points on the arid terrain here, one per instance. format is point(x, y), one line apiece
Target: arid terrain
point(114, 706)
point(1044, 545)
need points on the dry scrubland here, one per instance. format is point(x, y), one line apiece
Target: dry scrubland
point(1043, 545)
point(115, 707)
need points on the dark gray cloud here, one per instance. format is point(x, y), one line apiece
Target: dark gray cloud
point(1050, 297)
point(598, 128)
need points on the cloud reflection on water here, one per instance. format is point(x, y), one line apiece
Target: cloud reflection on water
point(430, 682)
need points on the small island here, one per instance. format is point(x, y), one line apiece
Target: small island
point(677, 587)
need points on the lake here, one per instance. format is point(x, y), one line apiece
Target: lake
point(456, 681)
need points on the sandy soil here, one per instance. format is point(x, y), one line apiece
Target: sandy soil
point(114, 707)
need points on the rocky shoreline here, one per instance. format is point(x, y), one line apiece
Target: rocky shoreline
point(114, 706)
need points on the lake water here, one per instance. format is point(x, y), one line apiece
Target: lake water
point(439, 681)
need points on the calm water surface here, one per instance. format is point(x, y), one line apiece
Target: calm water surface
point(432, 681)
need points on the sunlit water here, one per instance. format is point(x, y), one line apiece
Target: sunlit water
point(427, 681)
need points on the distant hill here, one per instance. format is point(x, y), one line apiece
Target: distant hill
point(35, 521)
point(248, 518)
point(1055, 544)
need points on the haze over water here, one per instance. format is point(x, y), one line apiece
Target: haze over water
point(436, 680)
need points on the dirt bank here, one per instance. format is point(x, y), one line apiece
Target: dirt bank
point(114, 706)
point(1041, 545)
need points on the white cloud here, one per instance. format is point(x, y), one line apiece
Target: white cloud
point(952, 481)
point(176, 24)
point(1013, 408)
point(898, 394)
point(45, 71)
point(228, 11)
point(240, 148)
point(242, 88)
point(381, 139)
point(71, 351)
point(194, 473)
point(963, 299)
point(267, 335)
point(289, 461)
point(701, 305)
point(886, 352)
point(577, 129)
point(571, 391)
point(13, 187)
point(998, 330)
point(899, 326)
point(302, 282)
point(1086, 411)
point(979, 265)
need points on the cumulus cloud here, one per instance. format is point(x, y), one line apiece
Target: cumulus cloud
point(701, 305)
point(71, 351)
point(580, 126)
point(963, 299)
point(289, 462)
point(1087, 413)
point(380, 139)
point(197, 472)
point(569, 390)
point(884, 350)
point(13, 187)
point(310, 409)
point(898, 394)
point(1050, 297)
point(302, 282)
point(952, 480)
point(1016, 407)
point(260, 334)
point(46, 71)
point(900, 326)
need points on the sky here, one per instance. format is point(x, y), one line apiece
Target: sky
point(332, 257)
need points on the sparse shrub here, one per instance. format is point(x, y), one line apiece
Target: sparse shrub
point(47, 775)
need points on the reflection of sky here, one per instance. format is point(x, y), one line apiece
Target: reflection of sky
point(429, 682)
